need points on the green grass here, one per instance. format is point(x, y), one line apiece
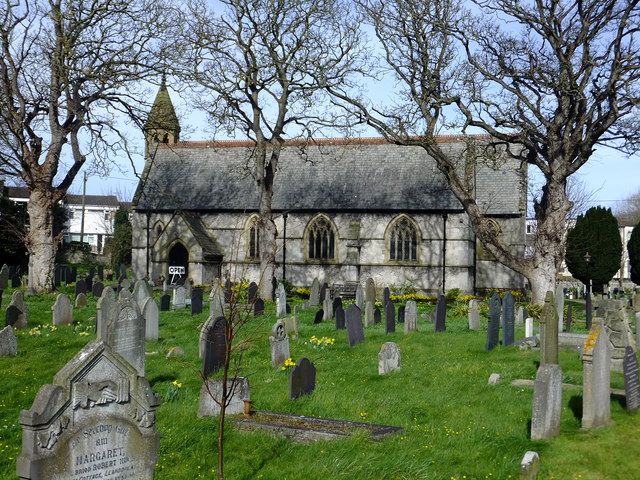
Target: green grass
point(455, 425)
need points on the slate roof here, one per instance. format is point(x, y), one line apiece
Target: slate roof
point(70, 199)
point(210, 248)
point(330, 175)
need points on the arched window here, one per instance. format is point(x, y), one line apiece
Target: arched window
point(253, 238)
point(403, 241)
point(321, 239)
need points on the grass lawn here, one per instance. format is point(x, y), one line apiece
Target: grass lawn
point(455, 425)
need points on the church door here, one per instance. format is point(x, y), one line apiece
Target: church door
point(178, 264)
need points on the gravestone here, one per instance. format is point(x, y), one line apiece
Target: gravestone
point(388, 358)
point(188, 287)
point(101, 273)
point(81, 300)
point(141, 292)
point(508, 320)
point(125, 283)
point(390, 317)
point(291, 325)
point(386, 295)
point(370, 291)
point(4, 277)
point(359, 296)
point(303, 379)
point(337, 302)
point(528, 327)
point(151, 320)
point(105, 312)
point(323, 292)
point(281, 301)
point(441, 314)
point(125, 333)
point(258, 307)
point(165, 303)
point(58, 275)
point(62, 310)
point(588, 310)
point(97, 289)
point(179, 297)
point(215, 342)
point(549, 331)
point(560, 306)
point(196, 301)
point(596, 381)
point(411, 317)
point(474, 315)
point(616, 323)
point(13, 315)
point(314, 295)
point(520, 315)
point(327, 306)
point(252, 293)
point(493, 329)
point(211, 397)
point(274, 286)
point(401, 313)
point(216, 300)
point(368, 313)
point(340, 318)
point(569, 320)
point(89, 283)
point(355, 332)
point(279, 344)
point(631, 385)
point(8, 342)
point(97, 420)
point(318, 317)
point(15, 280)
point(547, 402)
point(377, 315)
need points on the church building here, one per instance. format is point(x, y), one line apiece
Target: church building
point(345, 210)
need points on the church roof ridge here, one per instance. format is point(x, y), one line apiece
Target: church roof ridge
point(455, 138)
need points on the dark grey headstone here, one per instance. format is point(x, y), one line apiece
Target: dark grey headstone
point(386, 295)
point(508, 319)
point(274, 287)
point(401, 309)
point(81, 287)
point(441, 314)
point(97, 289)
point(323, 291)
point(390, 317)
point(214, 347)
point(88, 283)
point(15, 281)
point(493, 330)
point(101, 272)
point(340, 318)
point(318, 317)
point(569, 320)
point(196, 301)
point(258, 307)
point(12, 315)
point(303, 379)
point(59, 275)
point(355, 331)
point(287, 308)
point(252, 293)
point(165, 302)
point(72, 274)
point(588, 310)
point(337, 302)
point(631, 384)
point(377, 316)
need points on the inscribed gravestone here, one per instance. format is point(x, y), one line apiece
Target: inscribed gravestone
point(8, 342)
point(560, 306)
point(377, 315)
point(337, 302)
point(211, 397)
point(549, 331)
point(97, 289)
point(390, 317)
point(215, 341)
point(359, 296)
point(493, 329)
point(370, 290)
point(125, 333)
point(62, 310)
point(258, 307)
point(547, 402)
point(252, 293)
point(81, 300)
point(401, 313)
point(281, 301)
point(474, 315)
point(386, 295)
point(105, 312)
point(631, 385)
point(441, 314)
point(196, 301)
point(508, 320)
point(97, 420)
point(151, 319)
point(616, 323)
point(314, 295)
point(179, 297)
point(410, 317)
point(303, 379)
point(279, 344)
point(165, 303)
point(596, 381)
point(327, 306)
point(318, 317)
point(368, 313)
point(340, 318)
point(355, 332)
point(388, 358)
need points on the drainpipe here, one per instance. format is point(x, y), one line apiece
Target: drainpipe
point(284, 247)
point(444, 251)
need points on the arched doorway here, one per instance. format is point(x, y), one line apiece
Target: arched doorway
point(178, 257)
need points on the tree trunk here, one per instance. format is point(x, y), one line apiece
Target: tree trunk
point(40, 241)
point(267, 229)
point(542, 278)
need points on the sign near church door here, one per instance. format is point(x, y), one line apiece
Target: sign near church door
point(176, 271)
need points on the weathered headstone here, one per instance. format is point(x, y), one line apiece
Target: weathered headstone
point(279, 344)
point(529, 466)
point(386, 295)
point(355, 332)
point(274, 286)
point(252, 293)
point(547, 402)
point(377, 315)
point(493, 329)
point(314, 295)
point(388, 358)
point(179, 297)
point(323, 292)
point(101, 273)
point(474, 315)
point(196, 301)
point(528, 327)
point(441, 314)
point(4, 277)
point(291, 325)
point(89, 283)
point(141, 292)
point(401, 313)
point(520, 315)
point(81, 300)
point(616, 324)
point(105, 312)
point(340, 318)
point(165, 303)
point(97, 289)
point(327, 305)
point(62, 310)
point(337, 302)
point(368, 313)
point(151, 320)
point(560, 306)
point(125, 333)
point(318, 317)
point(549, 331)
point(631, 384)
point(370, 291)
point(359, 296)
point(508, 320)
point(411, 317)
point(12, 315)
point(569, 320)
point(8, 342)
point(281, 301)
point(211, 397)
point(125, 283)
point(188, 287)
point(216, 300)
point(215, 341)
point(258, 307)
point(596, 381)
point(97, 420)
point(390, 317)
point(303, 379)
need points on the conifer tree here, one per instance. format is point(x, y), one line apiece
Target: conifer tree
point(633, 247)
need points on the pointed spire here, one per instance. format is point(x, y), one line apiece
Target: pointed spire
point(162, 118)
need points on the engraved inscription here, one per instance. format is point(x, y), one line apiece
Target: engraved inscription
point(100, 452)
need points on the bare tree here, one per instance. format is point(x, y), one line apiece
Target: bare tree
point(628, 211)
point(68, 69)
point(260, 68)
point(549, 81)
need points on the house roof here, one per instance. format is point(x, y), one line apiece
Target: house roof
point(328, 175)
point(70, 199)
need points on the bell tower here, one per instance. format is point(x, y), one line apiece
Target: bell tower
point(162, 124)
